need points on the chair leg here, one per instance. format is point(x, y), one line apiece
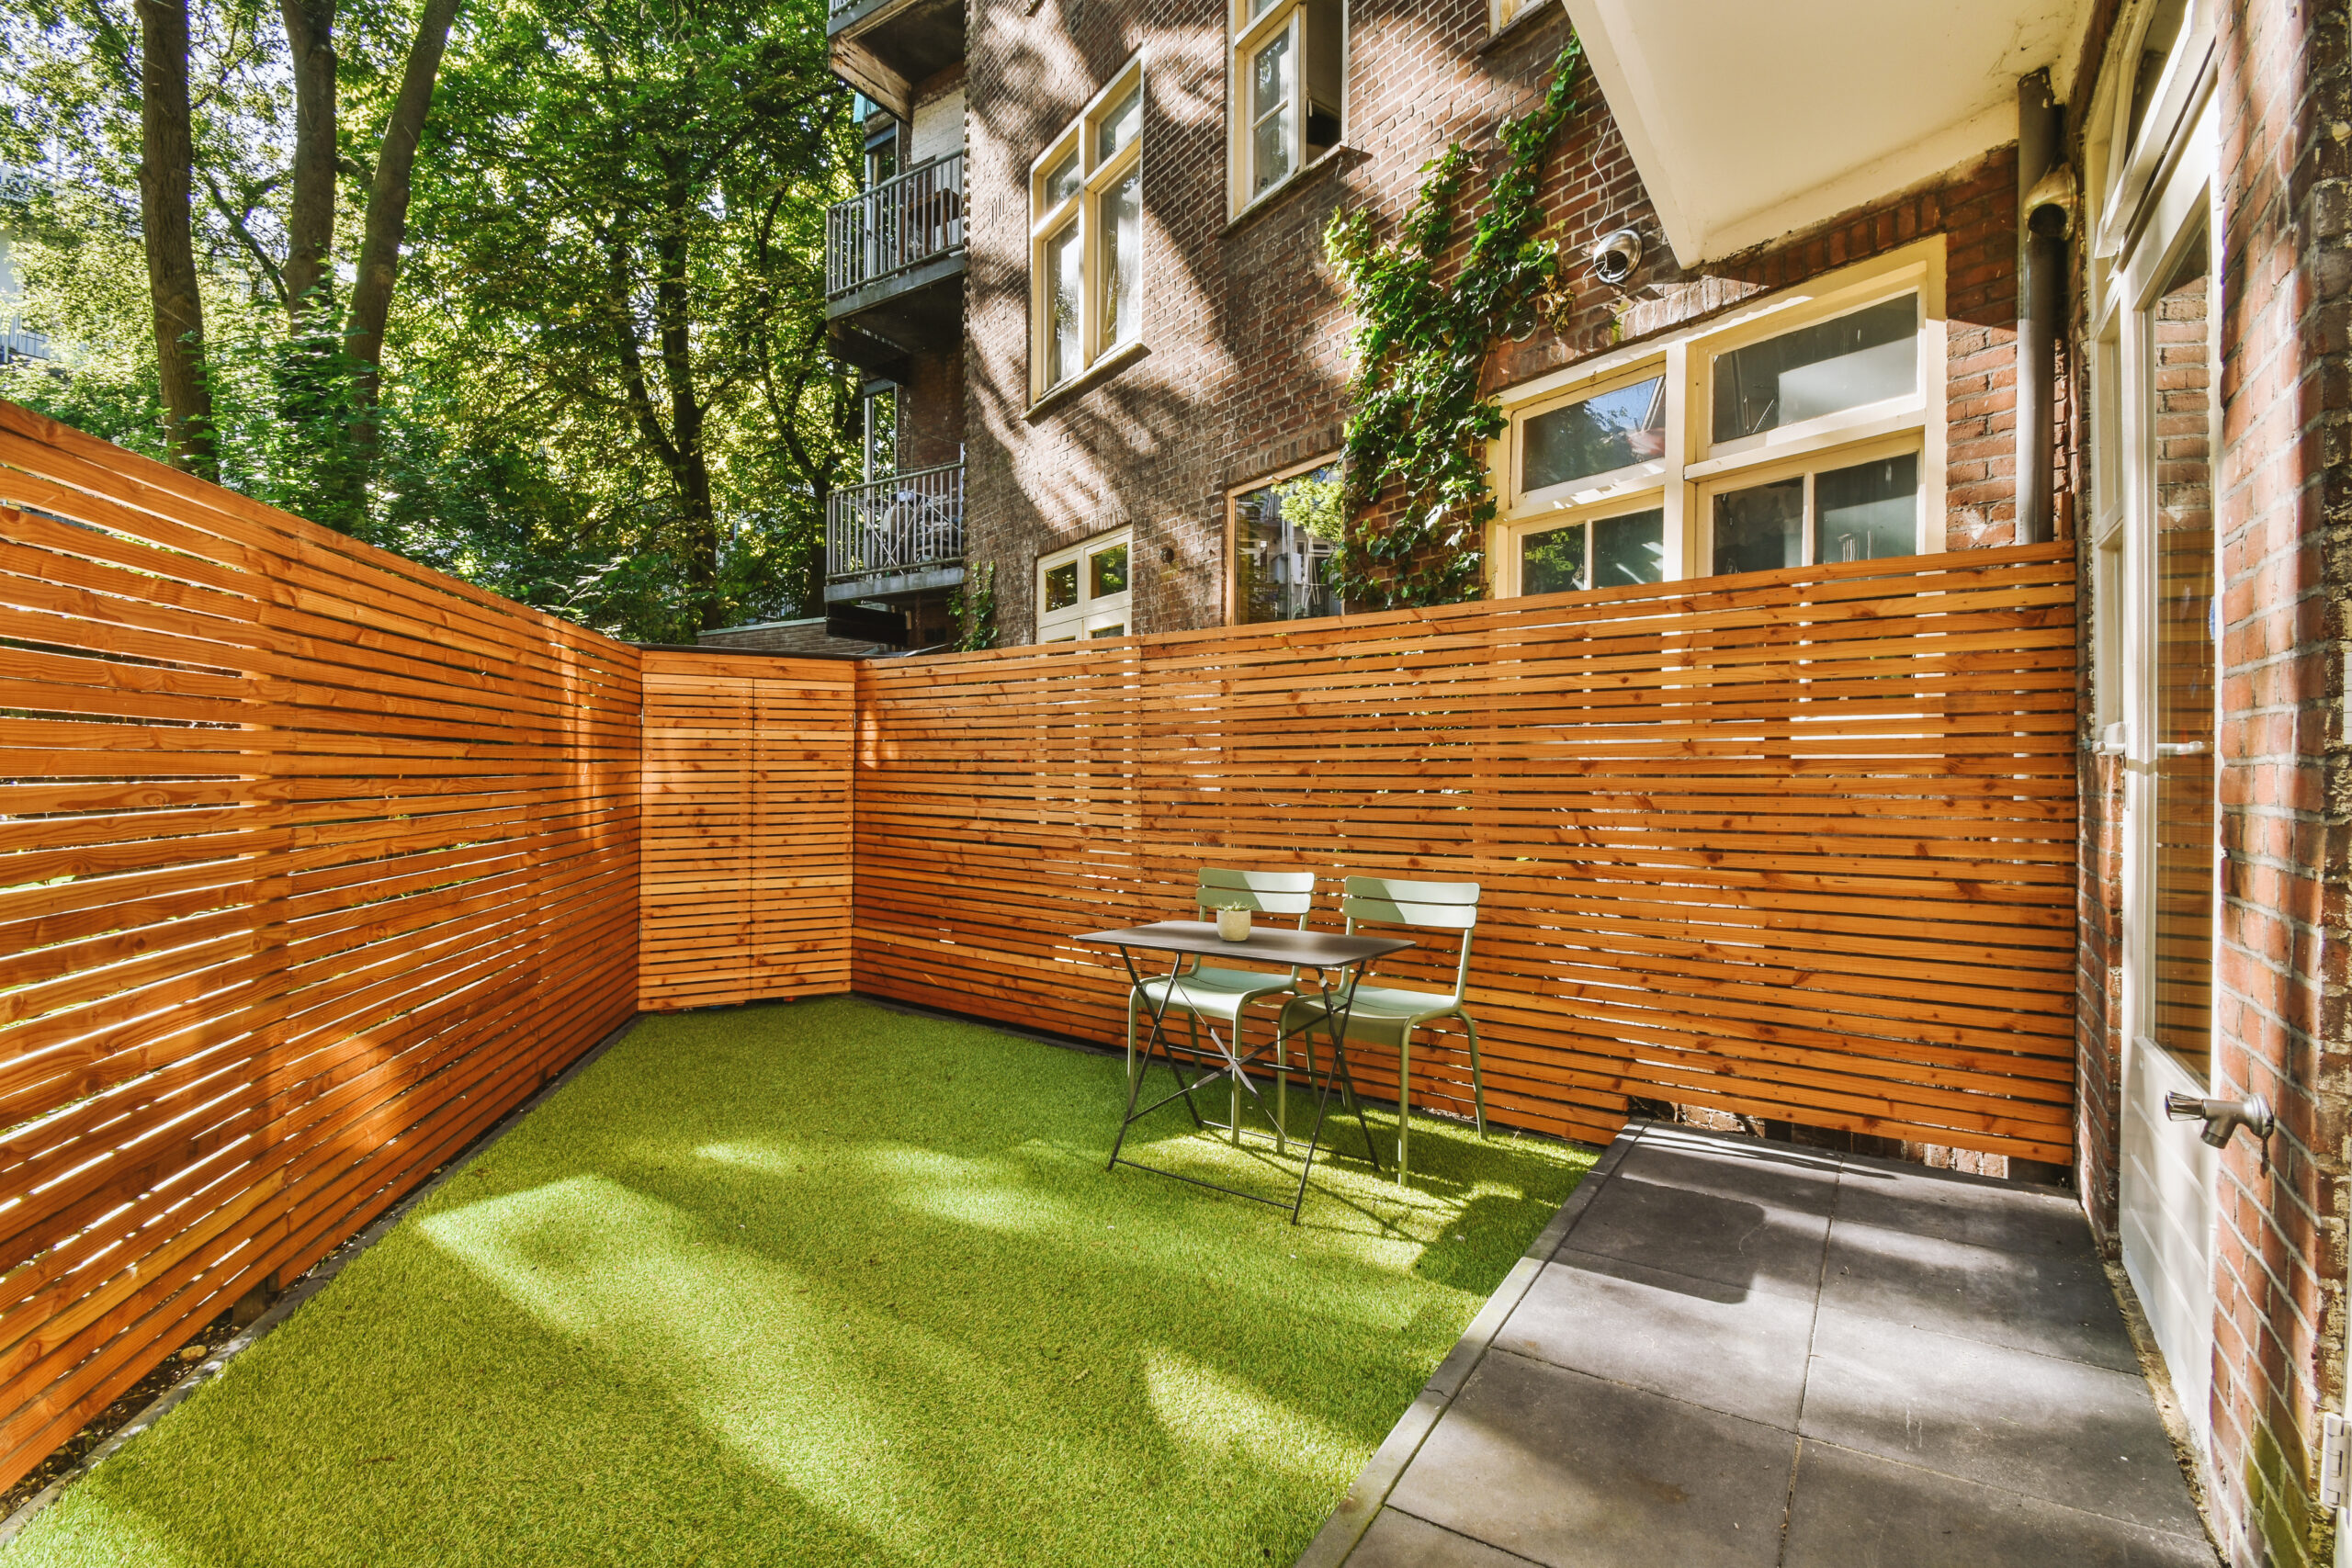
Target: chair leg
point(1404, 1101)
point(1477, 1078)
point(1282, 1093)
point(1131, 1044)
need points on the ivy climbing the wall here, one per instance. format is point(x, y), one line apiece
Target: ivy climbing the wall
point(1418, 422)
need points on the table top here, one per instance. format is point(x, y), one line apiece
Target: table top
point(1270, 944)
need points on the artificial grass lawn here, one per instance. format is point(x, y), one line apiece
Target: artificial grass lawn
point(819, 1283)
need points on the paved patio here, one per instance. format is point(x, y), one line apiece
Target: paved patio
point(1729, 1352)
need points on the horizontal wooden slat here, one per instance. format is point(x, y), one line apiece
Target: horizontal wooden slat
point(1797, 844)
point(312, 864)
point(745, 867)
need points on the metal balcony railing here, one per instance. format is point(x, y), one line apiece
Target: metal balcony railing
point(15, 342)
point(903, 222)
point(910, 520)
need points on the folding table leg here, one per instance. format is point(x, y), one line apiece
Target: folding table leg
point(1404, 1101)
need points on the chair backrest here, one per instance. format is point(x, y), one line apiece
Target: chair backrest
point(1261, 891)
point(1431, 906)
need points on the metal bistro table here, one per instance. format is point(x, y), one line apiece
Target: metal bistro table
point(1326, 953)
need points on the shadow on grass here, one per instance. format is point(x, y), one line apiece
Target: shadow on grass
point(762, 1287)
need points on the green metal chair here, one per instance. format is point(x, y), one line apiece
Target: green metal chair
point(1388, 1015)
point(1224, 995)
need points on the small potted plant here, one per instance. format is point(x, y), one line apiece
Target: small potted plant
point(1233, 922)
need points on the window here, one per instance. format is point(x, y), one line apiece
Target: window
point(1806, 429)
point(1085, 235)
point(1619, 551)
point(1083, 591)
point(1286, 545)
point(1288, 71)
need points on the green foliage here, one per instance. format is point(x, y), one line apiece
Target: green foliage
point(1420, 421)
point(974, 609)
point(588, 165)
point(1316, 503)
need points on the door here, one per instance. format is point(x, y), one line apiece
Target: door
point(2171, 820)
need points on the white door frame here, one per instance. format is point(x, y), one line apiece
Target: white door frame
point(2167, 1175)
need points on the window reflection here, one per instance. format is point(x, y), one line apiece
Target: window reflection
point(1608, 431)
point(1285, 547)
point(1864, 358)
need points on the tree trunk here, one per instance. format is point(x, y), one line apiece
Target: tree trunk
point(674, 313)
point(310, 220)
point(167, 155)
point(387, 220)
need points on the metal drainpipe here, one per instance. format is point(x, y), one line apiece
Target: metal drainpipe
point(2045, 215)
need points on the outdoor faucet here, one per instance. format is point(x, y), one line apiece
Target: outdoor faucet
point(2223, 1117)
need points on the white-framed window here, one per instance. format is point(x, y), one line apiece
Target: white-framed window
point(1804, 428)
point(1085, 235)
point(1282, 537)
point(1288, 71)
point(1501, 14)
point(1084, 590)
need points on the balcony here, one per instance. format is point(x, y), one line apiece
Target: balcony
point(902, 534)
point(887, 47)
point(894, 267)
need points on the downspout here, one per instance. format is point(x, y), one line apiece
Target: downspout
point(2045, 218)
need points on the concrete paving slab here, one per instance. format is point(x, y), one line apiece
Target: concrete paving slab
point(2079, 1435)
point(1658, 1220)
point(1856, 1510)
point(1637, 1326)
point(1573, 1471)
point(1953, 1360)
point(1976, 1210)
point(1400, 1540)
point(2051, 1304)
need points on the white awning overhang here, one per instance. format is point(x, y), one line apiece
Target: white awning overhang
point(1749, 121)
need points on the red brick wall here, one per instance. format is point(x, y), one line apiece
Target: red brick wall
point(1247, 366)
point(931, 410)
point(2283, 504)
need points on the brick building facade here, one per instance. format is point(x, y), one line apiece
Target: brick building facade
point(1235, 370)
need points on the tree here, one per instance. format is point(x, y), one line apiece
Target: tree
point(631, 210)
point(167, 157)
point(490, 427)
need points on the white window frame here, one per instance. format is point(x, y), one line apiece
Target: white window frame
point(1108, 615)
point(1694, 467)
point(1246, 35)
point(1097, 176)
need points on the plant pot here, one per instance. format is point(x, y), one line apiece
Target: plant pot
point(1233, 925)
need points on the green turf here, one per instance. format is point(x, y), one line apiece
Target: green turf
point(822, 1284)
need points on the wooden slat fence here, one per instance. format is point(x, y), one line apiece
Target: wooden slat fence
point(317, 863)
point(1797, 845)
point(746, 829)
point(313, 864)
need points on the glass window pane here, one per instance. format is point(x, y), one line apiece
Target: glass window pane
point(1602, 432)
point(1119, 125)
point(1061, 586)
point(1842, 364)
point(1061, 182)
point(1121, 256)
point(1760, 528)
point(1108, 631)
point(1630, 549)
point(1270, 112)
point(1552, 561)
point(1106, 573)
point(1064, 259)
point(2181, 415)
point(1868, 511)
point(1284, 538)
